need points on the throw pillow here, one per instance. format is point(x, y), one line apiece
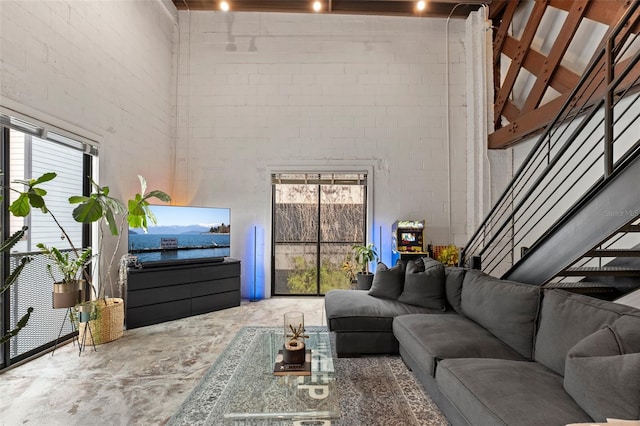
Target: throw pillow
point(453, 286)
point(602, 379)
point(387, 282)
point(424, 284)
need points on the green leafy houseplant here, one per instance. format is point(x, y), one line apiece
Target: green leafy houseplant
point(364, 255)
point(449, 255)
point(13, 276)
point(98, 207)
point(102, 208)
point(70, 268)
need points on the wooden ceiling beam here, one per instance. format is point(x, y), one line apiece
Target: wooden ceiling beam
point(496, 7)
point(560, 45)
point(603, 11)
point(535, 121)
point(562, 80)
point(437, 8)
point(511, 112)
point(523, 49)
point(503, 30)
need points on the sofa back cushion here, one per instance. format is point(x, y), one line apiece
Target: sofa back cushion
point(388, 282)
point(565, 319)
point(453, 286)
point(424, 284)
point(509, 310)
point(602, 376)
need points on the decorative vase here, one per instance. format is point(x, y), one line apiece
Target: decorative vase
point(109, 322)
point(364, 281)
point(66, 295)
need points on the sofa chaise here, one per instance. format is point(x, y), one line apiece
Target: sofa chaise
point(495, 352)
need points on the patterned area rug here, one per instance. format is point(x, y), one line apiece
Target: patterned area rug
point(372, 390)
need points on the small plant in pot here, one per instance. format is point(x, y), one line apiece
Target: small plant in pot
point(364, 254)
point(350, 270)
point(68, 290)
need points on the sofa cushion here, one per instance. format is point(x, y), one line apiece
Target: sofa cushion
point(424, 284)
point(602, 378)
point(355, 310)
point(565, 319)
point(429, 338)
point(453, 286)
point(503, 392)
point(507, 309)
point(387, 282)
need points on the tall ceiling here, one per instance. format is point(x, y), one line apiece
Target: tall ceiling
point(437, 8)
point(540, 47)
point(540, 52)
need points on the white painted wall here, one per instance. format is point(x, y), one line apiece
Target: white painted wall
point(260, 92)
point(255, 92)
point(104, 68)
point(101, 69)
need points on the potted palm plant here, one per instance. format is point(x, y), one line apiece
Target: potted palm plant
point(364, 254)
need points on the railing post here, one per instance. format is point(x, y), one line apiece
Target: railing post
point(608, 110)
point(476, 262)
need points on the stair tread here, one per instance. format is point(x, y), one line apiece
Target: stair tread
point(578, 284)
point(603, 268)
point(601, 271)
point(613, 253)
point(630, 228)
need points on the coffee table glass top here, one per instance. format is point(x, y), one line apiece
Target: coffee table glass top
point(256, 395)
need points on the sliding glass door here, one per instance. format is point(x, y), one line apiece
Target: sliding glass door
point(317, 218)
point(28, 152)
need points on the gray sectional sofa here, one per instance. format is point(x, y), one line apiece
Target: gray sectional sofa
point(494, 352)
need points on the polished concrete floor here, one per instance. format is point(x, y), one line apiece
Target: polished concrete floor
point(139, 379)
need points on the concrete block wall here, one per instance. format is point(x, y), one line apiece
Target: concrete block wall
point(264, 92)
point(103, 69)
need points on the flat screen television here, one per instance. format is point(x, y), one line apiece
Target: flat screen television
point(182, 234)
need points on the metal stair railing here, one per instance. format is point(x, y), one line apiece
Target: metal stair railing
point(594, 133)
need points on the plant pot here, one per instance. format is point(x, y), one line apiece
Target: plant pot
point(84, 311)
point(66, 295)
point(293, 352)
point(364, 281)
point(108, 324)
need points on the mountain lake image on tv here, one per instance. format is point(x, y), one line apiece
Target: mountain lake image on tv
point(183, 234)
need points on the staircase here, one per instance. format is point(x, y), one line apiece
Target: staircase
point(607, 271)
point(570, 217)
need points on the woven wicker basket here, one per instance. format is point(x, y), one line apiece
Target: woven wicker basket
point(109, 322)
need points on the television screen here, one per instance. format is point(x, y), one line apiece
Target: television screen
point(182, 234)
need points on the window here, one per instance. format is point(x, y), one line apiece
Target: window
point(28, 152)
point(317, 218)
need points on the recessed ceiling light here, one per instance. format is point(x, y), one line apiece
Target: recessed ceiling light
point(224, 6)
point(317, 6)
point(421, 5)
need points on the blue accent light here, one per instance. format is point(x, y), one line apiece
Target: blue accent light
point(255, 263)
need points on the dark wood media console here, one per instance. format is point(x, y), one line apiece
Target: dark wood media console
point(166, 293)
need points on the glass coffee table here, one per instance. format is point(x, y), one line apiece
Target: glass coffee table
point(256, 396)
